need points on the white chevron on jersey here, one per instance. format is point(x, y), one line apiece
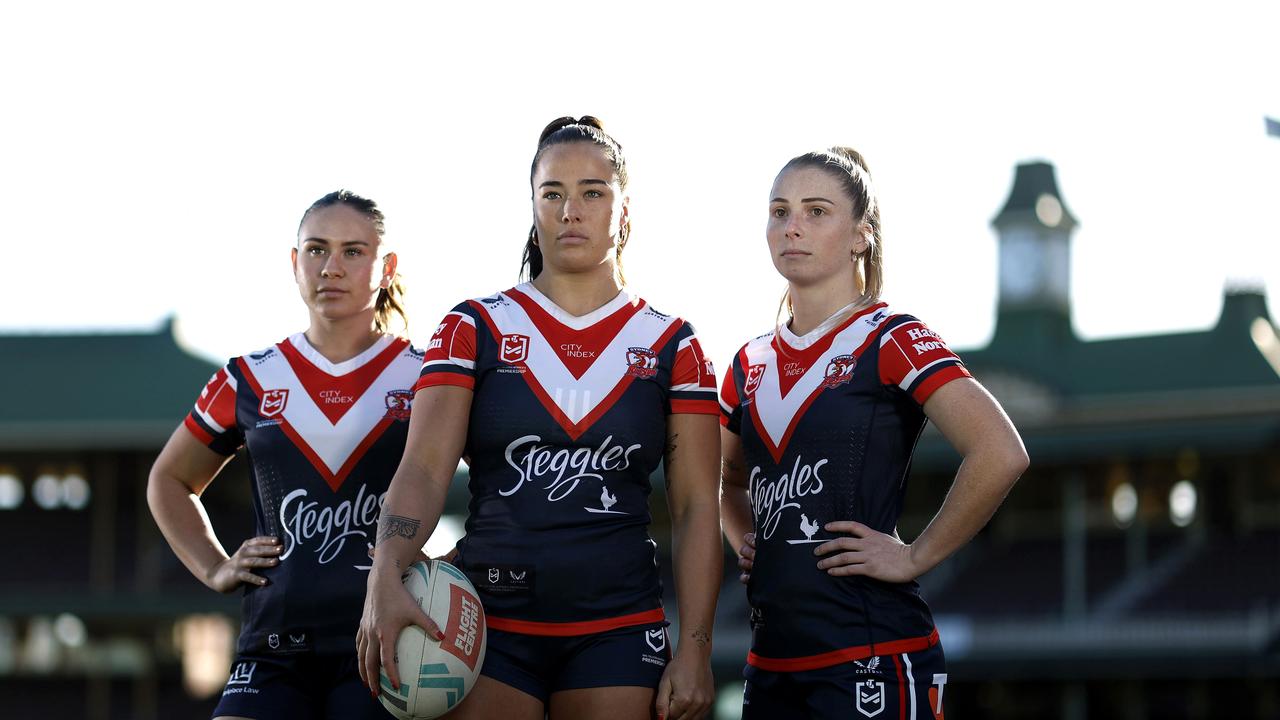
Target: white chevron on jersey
point(333, 444)
point(775, 414)
point(577, 398)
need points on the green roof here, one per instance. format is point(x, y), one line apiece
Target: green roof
point(1074, 400)
point(88, 391)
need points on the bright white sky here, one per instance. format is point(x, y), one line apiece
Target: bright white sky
point(155, 159)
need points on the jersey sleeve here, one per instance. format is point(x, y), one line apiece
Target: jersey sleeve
point(916, 360)
point(451, 354)
point(730, 402)
point(213, 419)
point(693, 378)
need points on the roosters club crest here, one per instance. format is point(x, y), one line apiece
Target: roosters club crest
point(839, 371)
point(515, 349)
point(398, 404)
point(642, 362)
point(755, 373)
point(273, 402)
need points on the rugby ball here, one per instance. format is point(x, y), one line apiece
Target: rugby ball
point(435, 676)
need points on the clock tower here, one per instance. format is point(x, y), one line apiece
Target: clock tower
point(1034, 230)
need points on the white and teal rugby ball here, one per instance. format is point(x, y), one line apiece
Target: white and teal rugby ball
point(435, 676)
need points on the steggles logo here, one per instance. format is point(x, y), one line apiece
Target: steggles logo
point(563, 468)
point(770, 498)
point(328, 528)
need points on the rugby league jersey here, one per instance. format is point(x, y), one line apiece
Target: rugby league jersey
point(828, 423)
point(323, 441)
point(568, 421)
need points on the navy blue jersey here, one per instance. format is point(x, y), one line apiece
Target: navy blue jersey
point(828, 424)
point(568, 421)
point(323, 441)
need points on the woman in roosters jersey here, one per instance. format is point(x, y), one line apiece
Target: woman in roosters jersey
point(820, 420)
point(323, 415)
point(564, 394)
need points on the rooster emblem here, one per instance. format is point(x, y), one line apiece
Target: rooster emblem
point(607, 501)
point(807, 526)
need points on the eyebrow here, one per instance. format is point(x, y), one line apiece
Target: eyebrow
point(803, 200)
point(588, 181)
point(326, 241)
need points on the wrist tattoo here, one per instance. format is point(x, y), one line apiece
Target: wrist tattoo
point(671, 446)
point(701, 636)
point(398, 526)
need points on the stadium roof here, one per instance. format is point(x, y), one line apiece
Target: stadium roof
point(89, 391)
point(1073, 401)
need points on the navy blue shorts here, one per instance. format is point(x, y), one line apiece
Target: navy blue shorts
point(540, 665)
point(297, 687)
point(887, 687)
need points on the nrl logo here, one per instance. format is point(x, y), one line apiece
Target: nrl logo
point(755, 373)
point(273, 402)
point(656, 639)
point(870, 700)
point(515, 349)
point(494, 575)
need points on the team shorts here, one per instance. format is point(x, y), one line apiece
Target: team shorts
point(306, 686)
point(887, 687)
point(540, 665)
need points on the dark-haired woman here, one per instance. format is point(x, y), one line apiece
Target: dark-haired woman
point(323, 415)
point(565, 393)
point(820, 420)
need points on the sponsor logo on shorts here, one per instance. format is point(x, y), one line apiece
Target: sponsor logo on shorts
point(273, 641)
point(870, 700)
point(241, 677)
point(935, 694)
point(242, 673)
point(656, 639)
point(869, 667)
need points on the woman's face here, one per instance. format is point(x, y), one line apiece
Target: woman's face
point(578, 208)
point(336, 263)
point(812, 234)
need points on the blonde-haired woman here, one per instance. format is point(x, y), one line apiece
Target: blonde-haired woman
point(820, 418)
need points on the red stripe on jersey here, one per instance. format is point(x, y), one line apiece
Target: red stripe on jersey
point(574, 430)
point(692, 367)
point(218, 400)
point(454, 338)
point(334, 480)
point(567, 629)
point(695, 407)
point(577, 349)
point(196, 430)
point(445, 378)
point(836, 657)
point(334, 395)
point(902, 689)
point(729, 391)
point(776, 451)
point(931, 384)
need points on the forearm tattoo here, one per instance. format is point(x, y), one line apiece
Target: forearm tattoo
point(701, 636)
point(398, 526)
point(670, 450)
point(729, 465)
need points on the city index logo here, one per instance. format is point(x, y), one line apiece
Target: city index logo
point(273, 402)
point(514, 349)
